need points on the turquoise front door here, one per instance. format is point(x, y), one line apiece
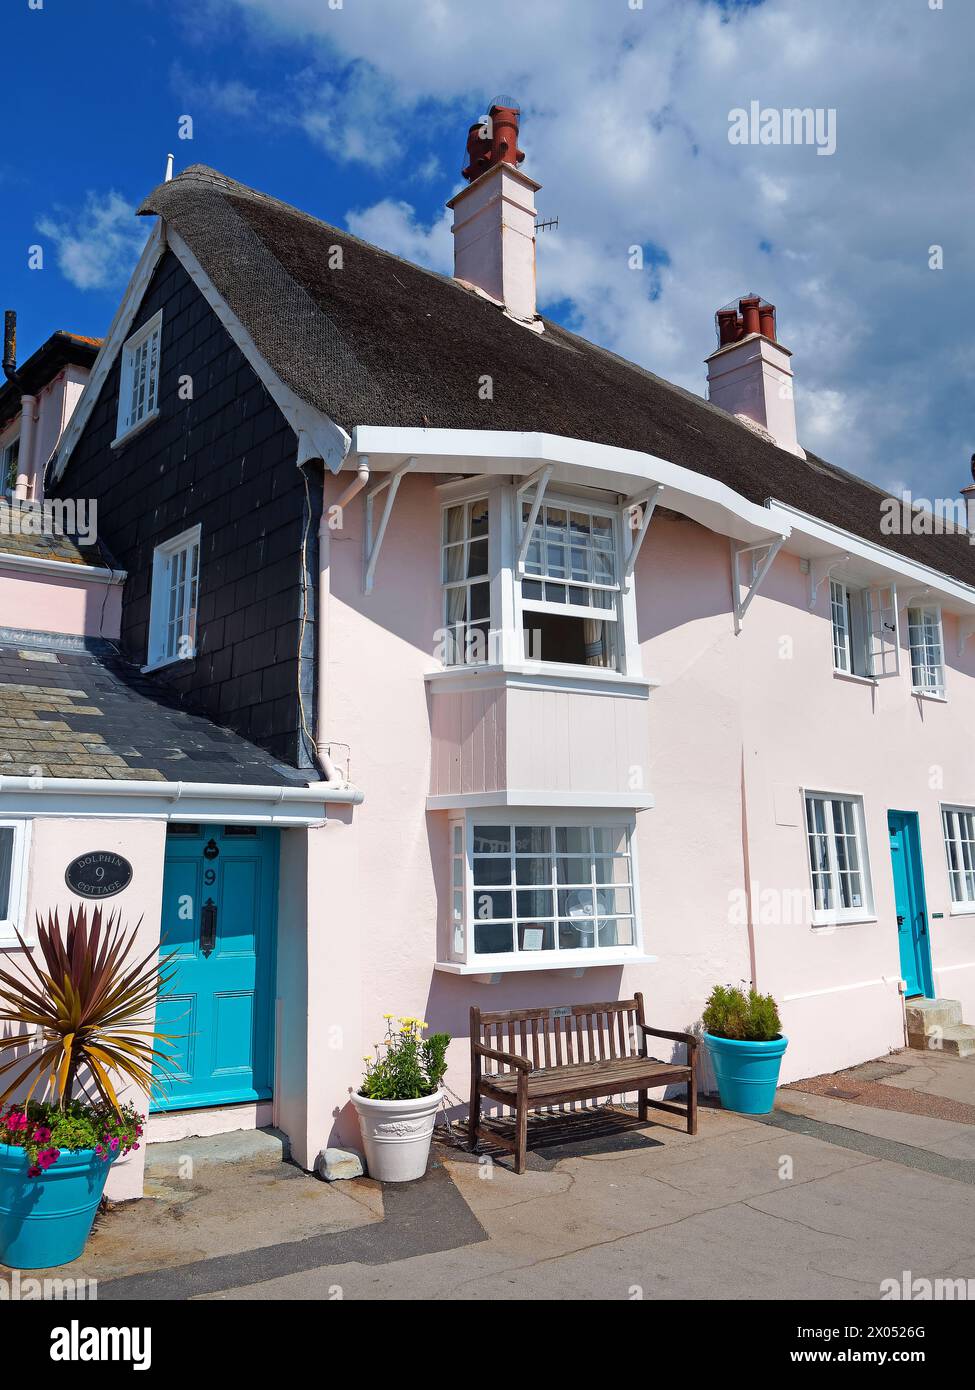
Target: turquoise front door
point(910, 903)
point(219, 916)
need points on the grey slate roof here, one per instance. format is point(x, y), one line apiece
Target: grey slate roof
point(70, 712)
point(383, 342)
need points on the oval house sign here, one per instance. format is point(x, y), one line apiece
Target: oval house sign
point(99, 874)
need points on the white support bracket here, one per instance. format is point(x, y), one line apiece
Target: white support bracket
point(772, 547)
point(648, 500)
point(819, 572)
point(540, 482)
point(372, 547)
point(966, 630)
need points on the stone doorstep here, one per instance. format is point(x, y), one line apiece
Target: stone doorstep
point(923, 1014)
point(954, 1039)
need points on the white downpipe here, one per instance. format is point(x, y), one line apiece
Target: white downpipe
point(25, 468)
point(322, 624)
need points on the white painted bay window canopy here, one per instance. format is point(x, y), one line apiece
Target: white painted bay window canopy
point(541, 892)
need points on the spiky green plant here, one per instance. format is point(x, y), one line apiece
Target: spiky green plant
point(91, 1005)
point(731, 1013)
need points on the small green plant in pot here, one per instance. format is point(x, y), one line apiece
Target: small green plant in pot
point(89, 1005)
point(743, 1036)
point(398, 1100)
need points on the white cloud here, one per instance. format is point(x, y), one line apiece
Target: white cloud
point(231, 98)
point(97, 246)
point(626, 126)
point(392, 224)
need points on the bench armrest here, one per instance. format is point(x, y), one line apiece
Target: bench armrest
point(688, 1038)
point(508, 1058)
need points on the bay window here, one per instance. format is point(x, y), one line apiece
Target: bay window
point(959, 830)
point(570, 586)
point(540, 888)
point(838, 865)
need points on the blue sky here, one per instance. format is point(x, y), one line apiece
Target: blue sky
point(358, 112)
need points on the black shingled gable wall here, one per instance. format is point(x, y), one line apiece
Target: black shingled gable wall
point(226, 459)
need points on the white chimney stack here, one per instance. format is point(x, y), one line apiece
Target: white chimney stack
point(749, 373)
point(494, 216)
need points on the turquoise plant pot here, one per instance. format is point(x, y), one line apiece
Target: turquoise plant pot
point(747, 1072)
point(45, 1221)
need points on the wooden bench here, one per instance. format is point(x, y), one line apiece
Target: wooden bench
point(547, 1057)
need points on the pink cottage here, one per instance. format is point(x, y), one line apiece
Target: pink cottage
point(460, 661)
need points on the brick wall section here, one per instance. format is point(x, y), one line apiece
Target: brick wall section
point(225, 459)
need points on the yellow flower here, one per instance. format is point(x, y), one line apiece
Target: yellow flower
point(389, 1015)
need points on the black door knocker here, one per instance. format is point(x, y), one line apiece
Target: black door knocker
point(211, 850)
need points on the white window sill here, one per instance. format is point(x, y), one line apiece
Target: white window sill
point(10, 943)
point(831, 923)
point(493, 967)
point(541, 675)
point(962, 910)
point(166, 661)
point(929, 695)
point(856, 680)
point(146, 420)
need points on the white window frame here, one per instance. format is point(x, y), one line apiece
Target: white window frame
point(6, 450)
point(865, 630)
point(963, 851)
point(833, 916)
point(133, 418)
point(933, 689)
point(469, 654)
point(463, 891)
point(161, 601)
point(16, 906)
point(567, 502)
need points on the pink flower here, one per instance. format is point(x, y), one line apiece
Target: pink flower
point(113, 1144)
point(48, 1156)
point(100, 1151)
point(41, 1134)
point(135, 1146)
point(16, 1121)
point(33, 1171)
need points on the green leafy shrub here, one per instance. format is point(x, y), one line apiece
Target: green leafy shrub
point(405, 1066)
point(43, 1129)
point(731, 1013)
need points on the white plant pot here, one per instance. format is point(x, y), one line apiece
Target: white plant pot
point(396, 1135)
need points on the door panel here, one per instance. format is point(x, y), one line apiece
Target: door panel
point(219, 916)
point(910, 902)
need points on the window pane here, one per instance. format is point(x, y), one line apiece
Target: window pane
point(536, 903)
point(533, 839)
point(573, 870)
point(492, 871)
point(577, 934)
point(490, 903)
point(479, 517)
point(533, 871)
point(6, 861)
point(492, 839)
point(573, 839)
point(477, 558)
point(490, 938)
point(609, 839)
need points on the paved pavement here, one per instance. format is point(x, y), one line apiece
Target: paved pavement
point(824, 1199)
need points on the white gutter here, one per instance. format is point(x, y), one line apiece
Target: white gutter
point(186, 801)
point(63, 569)
point(322, 625)
point(812, 538)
